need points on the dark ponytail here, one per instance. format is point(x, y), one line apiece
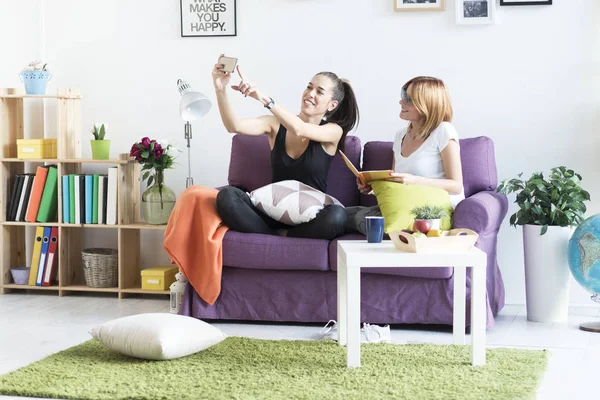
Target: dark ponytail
point(346, 113)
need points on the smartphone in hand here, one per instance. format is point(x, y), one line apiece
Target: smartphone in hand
point(228, 63)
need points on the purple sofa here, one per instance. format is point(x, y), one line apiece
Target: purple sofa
point(272, 278)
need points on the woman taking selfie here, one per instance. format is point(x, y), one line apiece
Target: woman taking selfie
point(302, 148)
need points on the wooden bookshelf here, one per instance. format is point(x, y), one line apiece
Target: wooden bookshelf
point(13, 234)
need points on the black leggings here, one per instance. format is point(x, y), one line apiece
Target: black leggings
point(239, 214)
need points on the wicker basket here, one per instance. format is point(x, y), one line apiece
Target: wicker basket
point(100, 267)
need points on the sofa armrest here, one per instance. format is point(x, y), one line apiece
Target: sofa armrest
point(482, 212)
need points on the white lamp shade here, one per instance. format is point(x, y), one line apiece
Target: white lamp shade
point(193, 105)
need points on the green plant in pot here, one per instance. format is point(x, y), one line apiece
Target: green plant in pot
point(428, 217)
point(158, 200)
point(100, 146)
point(549, 210)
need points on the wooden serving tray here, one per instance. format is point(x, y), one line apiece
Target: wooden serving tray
point(456, 241)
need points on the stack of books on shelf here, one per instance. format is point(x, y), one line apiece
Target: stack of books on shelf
point(90, 199)
point(44, 256)
point(34, 197)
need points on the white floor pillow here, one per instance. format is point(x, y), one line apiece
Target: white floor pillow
point(157, 336)
point(291, 202)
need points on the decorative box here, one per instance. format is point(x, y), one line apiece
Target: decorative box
point(36, 148)
point(159, 277)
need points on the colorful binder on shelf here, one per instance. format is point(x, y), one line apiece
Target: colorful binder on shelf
point(52, 260)
point(72, 198)
point(35, 255)
point(111, 198)
point(66, 200)
point(89, 192)
point(101, 200)
point(36, 193)
point(15, 197)
point(81, 198)
point(25, 196)
point(43, 256)
point(77, 202)
point(49, 202)
point(95, 196)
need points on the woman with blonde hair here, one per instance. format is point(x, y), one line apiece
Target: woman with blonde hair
point(426, 152)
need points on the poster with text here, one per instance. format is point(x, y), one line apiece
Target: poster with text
point(208, 18)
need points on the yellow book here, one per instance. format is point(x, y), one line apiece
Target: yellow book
point(366, 176)
point(35, 255)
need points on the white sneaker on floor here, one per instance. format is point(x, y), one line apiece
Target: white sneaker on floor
point(369, 333)
point(329, 331)
point(376, 333)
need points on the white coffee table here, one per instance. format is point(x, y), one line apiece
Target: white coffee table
point(354, 254)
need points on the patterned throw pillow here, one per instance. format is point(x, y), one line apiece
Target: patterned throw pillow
point(291, 202)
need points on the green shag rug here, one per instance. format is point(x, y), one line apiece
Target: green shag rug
point(241, 368)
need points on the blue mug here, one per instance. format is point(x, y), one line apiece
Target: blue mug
point(374, 229)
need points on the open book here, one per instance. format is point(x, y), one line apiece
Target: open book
point(366, 176)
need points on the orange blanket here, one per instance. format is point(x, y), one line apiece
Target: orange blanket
point(194, 240)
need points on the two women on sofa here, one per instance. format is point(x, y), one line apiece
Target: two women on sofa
point(303, 146)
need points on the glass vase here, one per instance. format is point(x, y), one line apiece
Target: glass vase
point(158, 201)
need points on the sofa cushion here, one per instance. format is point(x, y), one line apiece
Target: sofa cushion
point(376, 156)
point(396, 202)
point(250, 167)
point(478, 165)
point(413, 272)
point(291, 202)
point(476, 154)
point(257, 251)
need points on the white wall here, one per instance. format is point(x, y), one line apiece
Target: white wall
point(531, 82)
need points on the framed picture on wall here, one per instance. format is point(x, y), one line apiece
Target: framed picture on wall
point(475, 12)
point(418, 5)
point(525, 2)
point(208, 18)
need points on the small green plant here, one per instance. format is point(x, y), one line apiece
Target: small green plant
point(429, 212)
point(557, 201)
point(98, 131)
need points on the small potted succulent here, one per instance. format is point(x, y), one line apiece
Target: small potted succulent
point(428, 217)
point(35, 76)
point(100, 147)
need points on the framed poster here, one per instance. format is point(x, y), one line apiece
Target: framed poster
point(418, 5)
point(475, 12)
point(525, 2)
point(208, 18)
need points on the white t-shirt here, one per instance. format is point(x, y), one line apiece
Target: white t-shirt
point(426, 161)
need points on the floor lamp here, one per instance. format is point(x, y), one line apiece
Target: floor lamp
point(193, 105)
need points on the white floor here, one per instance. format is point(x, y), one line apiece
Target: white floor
point(34, 326)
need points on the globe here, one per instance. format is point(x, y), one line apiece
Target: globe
point(584, 254)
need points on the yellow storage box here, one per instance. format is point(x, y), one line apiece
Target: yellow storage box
point(159, 277)
point(36, 148)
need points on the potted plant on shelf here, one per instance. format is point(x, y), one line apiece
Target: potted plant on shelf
point(158, 200)
point(427, 217)
point(100, 147)
point(549, 210)
point(35, 76)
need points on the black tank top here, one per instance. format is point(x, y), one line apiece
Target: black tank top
point(311, 168)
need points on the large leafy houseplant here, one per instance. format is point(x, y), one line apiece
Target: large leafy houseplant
point(556, 201)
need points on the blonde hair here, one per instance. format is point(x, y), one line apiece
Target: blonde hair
point(431, 98)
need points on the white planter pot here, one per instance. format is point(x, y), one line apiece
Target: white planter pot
point(547, 274)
